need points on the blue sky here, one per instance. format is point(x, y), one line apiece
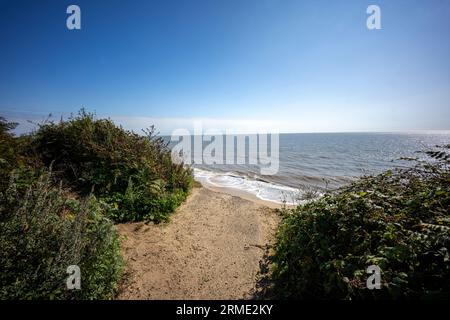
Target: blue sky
point(296, 66)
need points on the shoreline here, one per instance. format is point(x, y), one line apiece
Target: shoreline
point(243, 195)
point(248, 194)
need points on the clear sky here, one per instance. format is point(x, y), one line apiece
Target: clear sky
point(300, 66)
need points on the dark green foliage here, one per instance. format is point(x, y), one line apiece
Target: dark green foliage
point(8, 151)
point(133, 173)
point(139, 206)
point(399, 220)
point(43, 231)
point(60, 185)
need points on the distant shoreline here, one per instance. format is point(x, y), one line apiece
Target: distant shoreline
point(241, 194)
point(27, 121)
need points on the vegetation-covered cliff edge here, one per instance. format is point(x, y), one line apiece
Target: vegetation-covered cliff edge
point(62, 187)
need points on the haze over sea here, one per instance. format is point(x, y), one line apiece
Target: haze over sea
point(321, 160)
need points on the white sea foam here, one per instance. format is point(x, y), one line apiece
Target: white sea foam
point(263, 190)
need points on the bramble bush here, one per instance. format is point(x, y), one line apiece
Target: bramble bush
point(60, 188)
point(43, 231)
point(398, 220)
point(133, 173)
point(8, 151)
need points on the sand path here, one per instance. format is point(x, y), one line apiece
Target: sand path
point(210, 249)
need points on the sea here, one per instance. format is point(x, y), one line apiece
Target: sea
point(311, 163)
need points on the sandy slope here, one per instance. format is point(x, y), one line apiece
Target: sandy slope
point(210, 250)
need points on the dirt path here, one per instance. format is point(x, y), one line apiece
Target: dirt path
point(211, 249)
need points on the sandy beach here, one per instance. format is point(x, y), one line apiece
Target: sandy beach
point(210, 249)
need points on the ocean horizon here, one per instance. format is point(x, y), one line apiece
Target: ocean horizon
point(319, 162)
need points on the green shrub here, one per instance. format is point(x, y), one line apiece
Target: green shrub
point(398, 220)
point(133, 173)
point(43, 231)
point(8, 151)
point(102, 171)
point(137, 205)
